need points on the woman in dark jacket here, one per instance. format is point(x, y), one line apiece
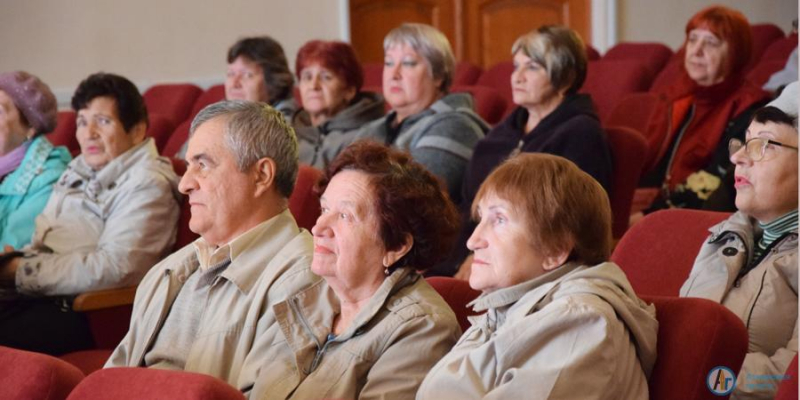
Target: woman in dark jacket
point(549, 69)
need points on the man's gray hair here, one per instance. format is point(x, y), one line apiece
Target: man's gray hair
point(431, 44)
point(254, 131)
point(561, 52)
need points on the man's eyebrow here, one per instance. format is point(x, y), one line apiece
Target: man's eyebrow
point(203, 157)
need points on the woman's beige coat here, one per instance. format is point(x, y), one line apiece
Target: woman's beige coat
point(765, 299)
point(574, 333)
point(384, 353)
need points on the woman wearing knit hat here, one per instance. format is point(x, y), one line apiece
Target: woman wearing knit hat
point(29, 164)
point(749, 262)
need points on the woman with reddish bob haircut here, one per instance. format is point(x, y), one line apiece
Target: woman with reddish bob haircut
point(372, 327)
point(330, 79)
point(708, 103)
point(558, 321)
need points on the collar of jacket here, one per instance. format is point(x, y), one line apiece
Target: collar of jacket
point(105, 179)
point(534, 289)
point(31, 166)
point(450, 102)
point(308, 302)
point(249, 258)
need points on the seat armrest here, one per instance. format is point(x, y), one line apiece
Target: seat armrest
point(104, 299)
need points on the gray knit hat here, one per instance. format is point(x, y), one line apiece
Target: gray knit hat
point(33, 99)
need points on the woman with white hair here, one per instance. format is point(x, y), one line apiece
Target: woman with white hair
point(749, 262)
point(438, 128)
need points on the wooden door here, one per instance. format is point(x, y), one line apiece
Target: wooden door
point(371, 20)
point(492, 26)
point(480, 31)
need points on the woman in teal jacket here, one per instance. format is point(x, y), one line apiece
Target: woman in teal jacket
point(29, 163)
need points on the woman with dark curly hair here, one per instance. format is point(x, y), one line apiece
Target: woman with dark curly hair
point(373, 327)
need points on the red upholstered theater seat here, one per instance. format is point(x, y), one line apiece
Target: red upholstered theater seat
point(694, 337)
point(629, 153)
point(172, 101)
point(210, 96)
point(466, 73)
point(64, 134)
point(657, 253)
point(763, 36)
point(592, 54)
point(609, 81)
point(88, 361)
point(176, 140)
point(160, 129)
point(654, 55)
point(152, 384)
point(761, 73)
point(303, 203)
point(634, 111)
point(498, 77)
point(669, 74)
point(780, 49)
point(489, 104)
point(373, 74)
point(457, 293)
point(35, 376)
point(788, 388)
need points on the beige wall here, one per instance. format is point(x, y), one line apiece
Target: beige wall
point(664, 20)
point(149, 41)
point(153, 41)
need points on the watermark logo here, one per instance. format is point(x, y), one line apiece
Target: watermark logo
point(721, 381)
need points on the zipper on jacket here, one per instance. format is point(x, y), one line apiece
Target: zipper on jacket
point(668, 172)
point(770, 249)
point(320, 347)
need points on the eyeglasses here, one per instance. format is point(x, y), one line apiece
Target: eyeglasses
point(754, 148)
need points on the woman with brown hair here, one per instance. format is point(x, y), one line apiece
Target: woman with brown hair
point(559, 321)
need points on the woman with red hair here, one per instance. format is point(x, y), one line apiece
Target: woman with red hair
point(709, 103)
point(330, 79)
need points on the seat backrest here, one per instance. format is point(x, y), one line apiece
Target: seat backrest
point(634, 111)
point(304, 203)
point(763, 36)
point(629, 153)
point(64, 133)
point(373, 74)
point(147, 383)
point(498, 77)
point(160, 129)
point(658, 252)
point(27, 375)
point(179, 136)
point(592, 54)
point(466, 73)
point(669, 74)
point(787, 390)
point(185, 235)
point(172, 101)
point(489, 104)
point(780, 49)
point(210, 96)
point(654, 55)
point(609, 81)
point(694, 337)
point(457, 293)
point(761, 73)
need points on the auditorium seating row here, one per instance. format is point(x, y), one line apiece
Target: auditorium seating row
point(695, 335)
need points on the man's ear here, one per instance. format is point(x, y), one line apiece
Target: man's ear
point(264, 172)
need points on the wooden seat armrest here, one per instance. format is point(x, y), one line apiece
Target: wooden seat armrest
point(104, 299)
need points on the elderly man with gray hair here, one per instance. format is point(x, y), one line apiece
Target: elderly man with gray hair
point(203, 308)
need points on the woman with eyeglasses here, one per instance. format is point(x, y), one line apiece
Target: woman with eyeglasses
point(749, 263)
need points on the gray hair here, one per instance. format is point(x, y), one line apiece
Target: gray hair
point(562, 53)
point(431, 44)
point(254, 131)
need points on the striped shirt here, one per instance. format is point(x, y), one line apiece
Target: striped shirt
point(771, 232)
